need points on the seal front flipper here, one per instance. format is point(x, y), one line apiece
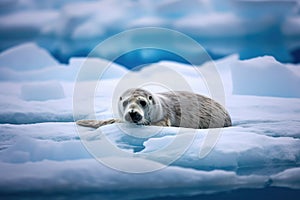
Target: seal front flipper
point(97, 123)
point(164, 122)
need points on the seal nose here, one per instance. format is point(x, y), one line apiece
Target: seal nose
point(135, 116)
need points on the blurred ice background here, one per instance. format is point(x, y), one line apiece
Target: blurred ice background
point(255, 46)
point(66, 28)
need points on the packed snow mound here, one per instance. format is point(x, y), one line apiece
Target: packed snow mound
point(264, 76)
point(39, 108)
point(293, 175)
point(27, 56)
point(96, 68)
point(36, 64)
point(42, 91)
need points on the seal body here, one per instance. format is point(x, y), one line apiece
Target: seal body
point(178, 109)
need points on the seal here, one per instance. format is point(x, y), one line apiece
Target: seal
point(177, 109)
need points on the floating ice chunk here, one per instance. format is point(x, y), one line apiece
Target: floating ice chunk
point(211, 25)
point(88, 30)
point(58, 72)
point(147, 21)
point(90, 19)
point(95, 68)
point(90, 175)
point(30, 21)
point(256, 152)
point(177, 8)
point(288, 178)
point(264, 76)
point(15, 110)
point(291, 26)
point(31, 150)
point(42, 91)
point(26, 56)
point(264, 9)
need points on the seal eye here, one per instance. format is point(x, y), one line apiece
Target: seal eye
point(120, 98)
point(150, 97)
point(143, 103)
point(125, 103)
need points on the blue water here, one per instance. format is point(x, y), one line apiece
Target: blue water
point(137, 58)
point(268, 193)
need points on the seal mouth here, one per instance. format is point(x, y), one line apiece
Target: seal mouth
point(133, 117)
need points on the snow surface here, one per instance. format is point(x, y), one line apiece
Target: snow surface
point(266, 77)
point(36, 64)
point(26, 56)
point(42, 92)
point(42, 150)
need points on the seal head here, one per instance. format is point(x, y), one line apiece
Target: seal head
point(136, 106)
